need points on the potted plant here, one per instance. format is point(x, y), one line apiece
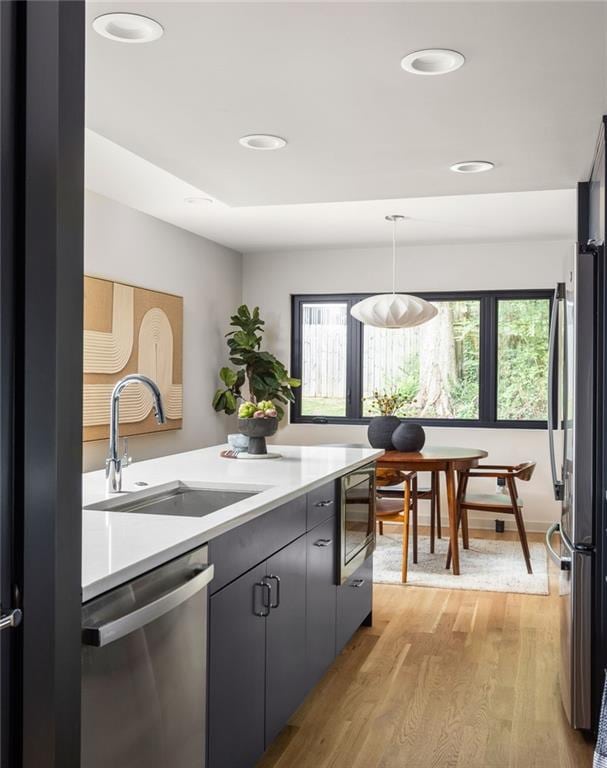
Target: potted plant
point(387, 431)
point(382, 426)
point(264, 376)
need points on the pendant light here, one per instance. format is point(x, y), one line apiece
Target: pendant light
point(393, 310)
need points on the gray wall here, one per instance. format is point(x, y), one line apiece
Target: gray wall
point(125, 245)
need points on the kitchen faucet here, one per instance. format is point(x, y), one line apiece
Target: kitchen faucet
point(114, 463)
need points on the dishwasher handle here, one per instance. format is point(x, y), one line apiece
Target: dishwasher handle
point(125, 625)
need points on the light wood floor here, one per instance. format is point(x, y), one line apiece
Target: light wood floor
point(444, 679)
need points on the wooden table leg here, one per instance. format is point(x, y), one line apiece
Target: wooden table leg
point(406, 508)
point(462, 483)
point(452, 507)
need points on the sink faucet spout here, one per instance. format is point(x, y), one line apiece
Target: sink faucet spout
point(114, 463)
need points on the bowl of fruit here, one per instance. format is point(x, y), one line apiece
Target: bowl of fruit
point(257, 421)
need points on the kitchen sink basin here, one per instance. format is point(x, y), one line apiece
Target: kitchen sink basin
point(179, 499)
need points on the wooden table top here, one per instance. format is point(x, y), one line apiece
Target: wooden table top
point(433, 453)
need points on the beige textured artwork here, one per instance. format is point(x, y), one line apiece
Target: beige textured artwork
point(130, 330)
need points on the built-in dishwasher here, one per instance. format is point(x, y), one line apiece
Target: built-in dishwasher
point(144, 675)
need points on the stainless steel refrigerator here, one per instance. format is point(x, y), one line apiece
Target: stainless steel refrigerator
point(572, 421)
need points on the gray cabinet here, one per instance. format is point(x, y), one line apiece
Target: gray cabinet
point(354, 603)
point(257, 657)
point(321, 592)
point(277, 619)
point(322, 504)
point(237, 640)
point(253, 542)
point(285, 636)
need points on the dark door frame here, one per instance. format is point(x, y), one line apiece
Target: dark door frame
point(42, 257)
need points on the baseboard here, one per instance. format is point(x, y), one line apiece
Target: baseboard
point(486, 522)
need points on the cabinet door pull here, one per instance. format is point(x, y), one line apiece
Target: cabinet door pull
point(266, 590)
point(323, 543)
point(326, 503)
point(357, 583)
point(277, 580)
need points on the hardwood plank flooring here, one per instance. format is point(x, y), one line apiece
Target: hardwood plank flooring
point(443, 679)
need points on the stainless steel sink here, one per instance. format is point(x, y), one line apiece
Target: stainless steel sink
point(178, 499)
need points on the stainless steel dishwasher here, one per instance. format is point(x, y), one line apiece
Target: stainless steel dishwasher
point(144, 675)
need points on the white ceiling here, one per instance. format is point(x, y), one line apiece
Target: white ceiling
point(361, 131)
point(507, 216)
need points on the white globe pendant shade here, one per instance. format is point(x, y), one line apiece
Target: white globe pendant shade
point(393, 310)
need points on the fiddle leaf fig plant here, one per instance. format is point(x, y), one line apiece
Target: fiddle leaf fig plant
point(266, 378)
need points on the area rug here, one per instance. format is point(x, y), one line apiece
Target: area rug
point(490, 566)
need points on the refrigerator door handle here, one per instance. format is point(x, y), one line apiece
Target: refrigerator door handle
point(563, 563)
point(557, 484)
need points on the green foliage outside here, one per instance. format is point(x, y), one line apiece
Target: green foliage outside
point(463, 388)
point(522, 355)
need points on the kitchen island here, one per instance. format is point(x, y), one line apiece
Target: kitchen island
point(280, 606)
point(116, 546)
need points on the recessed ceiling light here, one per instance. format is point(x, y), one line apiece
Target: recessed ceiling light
point(127, 27)
point(432, 61)
point(262, 141)
point(472, 166)
point(198, 201)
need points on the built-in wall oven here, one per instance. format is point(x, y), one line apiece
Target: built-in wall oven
point(357, 527)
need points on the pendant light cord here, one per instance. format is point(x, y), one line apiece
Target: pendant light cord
point(393, 257)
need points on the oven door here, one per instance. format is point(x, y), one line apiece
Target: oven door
point(357, 520)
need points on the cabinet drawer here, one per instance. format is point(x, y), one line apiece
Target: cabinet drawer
point(236, 551)
point(354, 603)
point(322, 503)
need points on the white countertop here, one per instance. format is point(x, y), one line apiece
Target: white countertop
point(117, 546)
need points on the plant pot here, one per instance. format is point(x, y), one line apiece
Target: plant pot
point(257, 430)
point(379, 433)
point(409, 437)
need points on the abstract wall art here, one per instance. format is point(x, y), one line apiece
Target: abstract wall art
point(131, 330)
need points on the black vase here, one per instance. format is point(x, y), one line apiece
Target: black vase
point(409, 437)
point(380, 431)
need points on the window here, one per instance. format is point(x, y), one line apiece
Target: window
point(434, 367)
point(522, 358)
point(323, 359)
point(482, 361)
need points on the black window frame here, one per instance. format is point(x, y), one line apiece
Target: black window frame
point(488, 363)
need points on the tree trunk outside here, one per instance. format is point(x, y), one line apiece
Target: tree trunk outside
point(437, 364)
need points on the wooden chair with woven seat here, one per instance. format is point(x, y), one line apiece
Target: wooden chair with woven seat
point(395, 510)
point(501, 503)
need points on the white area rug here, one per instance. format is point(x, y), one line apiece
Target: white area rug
point(490, 566)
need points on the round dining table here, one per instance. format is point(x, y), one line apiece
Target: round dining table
point(438, 459)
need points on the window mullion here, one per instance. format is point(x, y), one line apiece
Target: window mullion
point(354, 366)
point(488, 360)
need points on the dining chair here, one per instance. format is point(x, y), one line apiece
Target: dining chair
point(501, 503)
point(430, 493)
point(398, 510)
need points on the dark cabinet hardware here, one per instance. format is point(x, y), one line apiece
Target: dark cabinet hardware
point(277, 580)
point(326, 503)
point(357, 583)
point(266, 591)
point(323, 543)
